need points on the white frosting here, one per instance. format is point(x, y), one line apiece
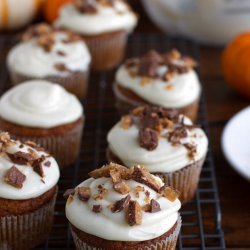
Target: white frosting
point(33, 186)
point(39, 104)
point(185, 88)
point(30, 59)
point(124, 143)
point(112, 226)
point(107, 19)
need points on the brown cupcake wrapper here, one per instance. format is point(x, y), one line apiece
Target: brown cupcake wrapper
point(169, 243)
point(106, 50)
point(27, 230)
point(185, 180)
point(75, 82)
point(65, 148)
point(125, 104)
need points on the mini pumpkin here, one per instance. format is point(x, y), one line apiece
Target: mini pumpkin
point(236, 64)
point(52, 8)
point(15, 14)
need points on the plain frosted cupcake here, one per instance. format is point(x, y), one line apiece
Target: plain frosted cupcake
point(166, 80)
point(58, 56)
point(45, 113)
point(166, 143)
point(28, 189)
point(104, 25)
point(123, 209)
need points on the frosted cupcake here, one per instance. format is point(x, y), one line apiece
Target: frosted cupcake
point(104, 25)
point(166, 143)
point(166, 80)
point(58, 56)
point(47, 114)
point(28, 189)
point(123, 209)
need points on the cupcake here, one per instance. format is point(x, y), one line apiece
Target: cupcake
point(165, 80)
point(104, 25)
point(58, 56)
point(45, 113)
point(28, 189)
point(166, 143)
point(123, 209)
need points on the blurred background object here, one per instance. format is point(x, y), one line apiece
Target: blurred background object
point(213, 22)
point(15, 14)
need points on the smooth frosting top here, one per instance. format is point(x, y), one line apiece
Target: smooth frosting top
point(152, 220)
point(103, 17)
point(26, 171)
point(39, 104)
point(171, 144)
point(167, 80)
point(51, 54)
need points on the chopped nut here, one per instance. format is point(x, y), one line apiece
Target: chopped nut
point(120, 204)
point(83, 193)
point(154, 206)
point(134, 213)
point(69, 192)
point(97, 208)
point(14, 177)
point(169, 193)
point(126, 122)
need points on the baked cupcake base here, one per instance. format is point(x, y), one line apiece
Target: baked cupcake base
point(31, 225)
point(107, 50)
point(63, 142)
point(185, 180)
point(126, 100)
point(75, 82)
point(167, 241)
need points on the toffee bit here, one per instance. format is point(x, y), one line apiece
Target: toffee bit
point(121, 204)
point(61, 53)
point(148, 139)
point(38, 166)
point(21, 158)
point(47, 164)
point(46, 42)
point(61, 67)
point(4, 137)
point(192, 150)
point(85, 6)
point(14, 177)
point(154, 206)
point(176, 135)
point(169, 193)
point(137, 191)
point(97, 208)
point(83, 193)
point(68, 192)
point(134, 213)
point(126, 122)
point(102, 192)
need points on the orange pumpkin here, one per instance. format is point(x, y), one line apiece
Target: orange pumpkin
point(236, 64)
point(52, 7)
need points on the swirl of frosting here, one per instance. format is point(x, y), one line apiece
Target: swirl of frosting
point(167, 156)
point(116, 228)
point(34, 185)
point(106, 19)
point(39, 104)
point(30, 59)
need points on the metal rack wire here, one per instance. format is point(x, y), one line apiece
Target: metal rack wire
point(201, 228)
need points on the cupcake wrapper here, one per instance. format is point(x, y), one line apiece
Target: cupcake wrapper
point(65, 148)
point(106, 51)
point(28, 230)
point(167, 244)
point(185, 180)
point(125, 104)
point(75, 82)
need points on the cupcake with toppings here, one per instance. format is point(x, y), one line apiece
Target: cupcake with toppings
point(28, 189)
point(104, 25)
point(123, 209)
point(165, 80)
point(53, 55)
point(166, 143)
point(45, 113)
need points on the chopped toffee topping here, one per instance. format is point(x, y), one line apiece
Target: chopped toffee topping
point(169, 193)
point(160, 66)
point(120, 204)
point(37, 31)
point(14, 177)
point(38, 166)
point(21, 158)
point(137, 191)
point(46, 42)
point(102, 192)
point(83, 193)
point(97, 208)
point(47, 164)
point(119, 185)
point(35, 146)
point(154, 206)
point(61, 67)
point(61, 53)
point(134, 213)
point(90, 6)
point(148, 139)
point(68, 192)
point(126, 122)
point(4, 137)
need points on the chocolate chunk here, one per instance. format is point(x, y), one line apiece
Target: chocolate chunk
point(38, 166)
point(47, 164)
point(169, 193)
point(148, 139)
point(134, 213)
point(21, 158)
point(14, 177)
point(150, 119)
point(141, 175)
point(154, 206)
point(97, 208)
point(68, 192)
point(83, 193)
point(61, 67)
point(177, 134)
point(121, 204)
point(147, 68)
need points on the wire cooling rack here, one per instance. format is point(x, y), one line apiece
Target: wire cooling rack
point(201, 227)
